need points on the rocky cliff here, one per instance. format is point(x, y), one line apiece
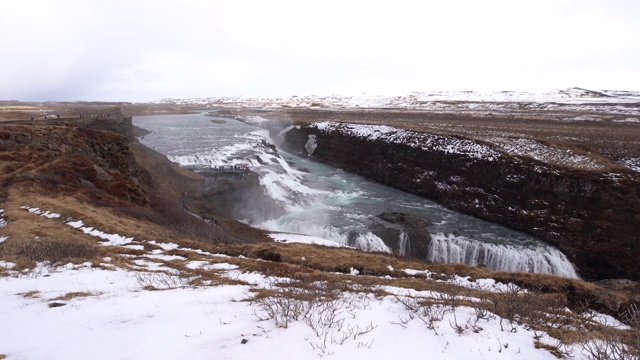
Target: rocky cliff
point(71, 159)
point(592, 216)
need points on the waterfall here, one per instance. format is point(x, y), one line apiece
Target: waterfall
point(368, 242)
point(403, 244)
point(502, 257)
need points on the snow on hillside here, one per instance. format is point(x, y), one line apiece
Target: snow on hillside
point(154, 309)
point(589, 105)
point(449, 145)
point(474, 149)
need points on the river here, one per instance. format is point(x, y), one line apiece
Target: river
point(326, 202)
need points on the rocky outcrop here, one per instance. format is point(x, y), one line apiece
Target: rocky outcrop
point(235, 195)
point(411, 233)
point(592, 216)
point(71, 159)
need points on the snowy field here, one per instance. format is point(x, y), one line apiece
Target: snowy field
point(587, 104)
point(150, 307)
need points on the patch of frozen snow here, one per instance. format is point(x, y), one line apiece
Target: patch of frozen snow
point(167, 257)
point(110, 239)
point(412, 272)
point(7, 265)
point(40, 212)
point(224, 266)
point(629, 120)
point(424, 141)
point(164, 246)
point(631, 163)
point(76, 224)
point(154, 266)
point(196, 264)
point(548, 154)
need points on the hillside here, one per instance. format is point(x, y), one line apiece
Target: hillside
point(94, 243)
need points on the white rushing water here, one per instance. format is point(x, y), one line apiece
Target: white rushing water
point(325, 202)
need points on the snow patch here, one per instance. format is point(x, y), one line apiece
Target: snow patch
point(37, 211)
point(7, 265)
point(631, 163)
point(548, 154)
point(424, 141)
point(164, 246)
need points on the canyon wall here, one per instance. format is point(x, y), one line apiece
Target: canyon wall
point(591, 216)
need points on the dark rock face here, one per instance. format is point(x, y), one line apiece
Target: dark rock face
point(592, 217)
point(405, 234)
point(412, 222)
point(235, 195)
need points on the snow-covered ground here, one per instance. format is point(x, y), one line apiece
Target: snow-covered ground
point(590, 104)
point(154, 309)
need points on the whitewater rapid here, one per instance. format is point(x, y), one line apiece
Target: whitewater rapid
point(328, 203)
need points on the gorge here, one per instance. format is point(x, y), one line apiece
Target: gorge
point(589, 212)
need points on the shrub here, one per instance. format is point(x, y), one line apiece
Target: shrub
point(54, 251)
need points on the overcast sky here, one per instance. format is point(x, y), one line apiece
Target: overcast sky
point(133, 50)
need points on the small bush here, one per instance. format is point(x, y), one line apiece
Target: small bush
point(53, 250)
point(612, 347)
point(269, 254)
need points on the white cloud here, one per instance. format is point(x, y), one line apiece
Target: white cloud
point(144, 50)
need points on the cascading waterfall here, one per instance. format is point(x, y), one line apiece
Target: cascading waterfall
point(326, 202)
point(403, 243)
point(369, 242)
point(504, 257)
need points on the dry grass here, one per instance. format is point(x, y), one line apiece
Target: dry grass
point(27, 253)
point(30, 294)
point(73, 295)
